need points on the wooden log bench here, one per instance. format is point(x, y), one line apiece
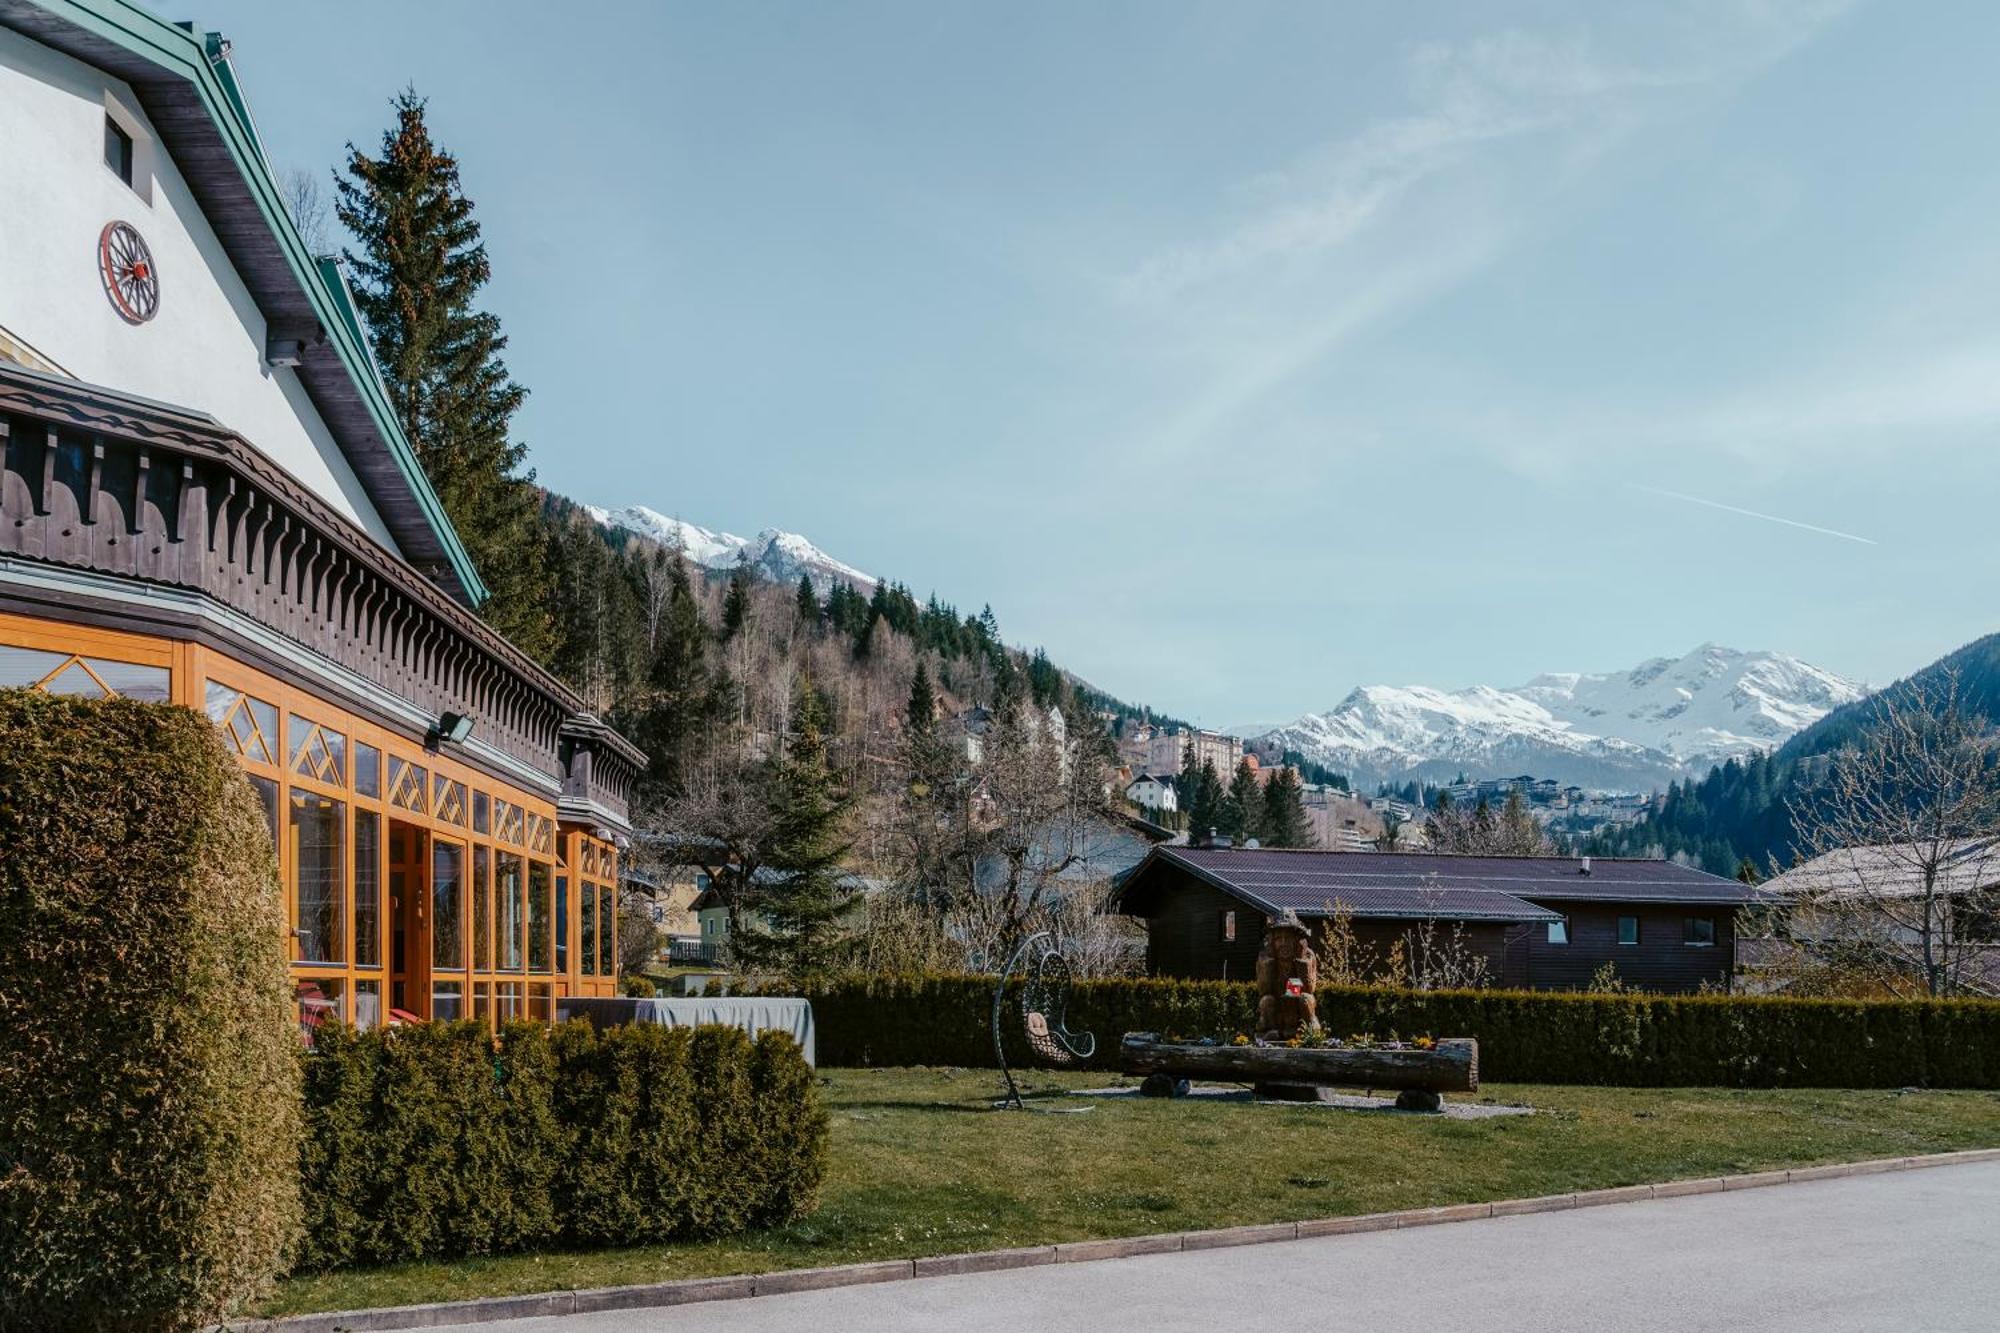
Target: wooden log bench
point(1421, 1078)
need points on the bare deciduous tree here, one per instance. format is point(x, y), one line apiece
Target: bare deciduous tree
point(1899, 835)
point(307, 204)
point(1424, 955)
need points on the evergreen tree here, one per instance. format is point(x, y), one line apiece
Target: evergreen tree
point(1045, 682)
point(1243, 811)
point(809, 610)
point(1201, 797)
point(417, 278)
point(920, 714)
point(736, 604)
point(1285, 821)
point(680, 692)
point(805, 900)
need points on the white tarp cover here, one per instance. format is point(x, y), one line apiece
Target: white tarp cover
point(754, 1014)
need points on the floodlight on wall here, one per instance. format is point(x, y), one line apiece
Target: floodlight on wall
point(453, 727)
point(284, 352)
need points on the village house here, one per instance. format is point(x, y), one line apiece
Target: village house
point(1540, 922)
point(206, 499)
point(1150, 791)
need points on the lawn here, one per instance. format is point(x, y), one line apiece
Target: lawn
point(921, 1164)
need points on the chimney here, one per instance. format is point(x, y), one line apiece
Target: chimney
point(1215, 839)
point(1584, 869)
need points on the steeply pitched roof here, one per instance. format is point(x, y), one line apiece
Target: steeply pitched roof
point(1416, 885)
point(189, 92)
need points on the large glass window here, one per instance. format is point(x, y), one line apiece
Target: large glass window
point(589, 931)
point(367, 770)
point(540, 910)
point(367, 889)
point(482, 910)
point(508, 901)
point(447, 906)
point(319, 1004)
point(367, 1004)
point(447, 1000)
point(562, 923)
point(267, 792)
point(319, 876)
point(607, 938)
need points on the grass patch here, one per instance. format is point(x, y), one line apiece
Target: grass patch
point(921, 1164)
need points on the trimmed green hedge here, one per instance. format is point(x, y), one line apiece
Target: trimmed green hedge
point(441, 1141)
point(149, 1072)
point(1524, 1036)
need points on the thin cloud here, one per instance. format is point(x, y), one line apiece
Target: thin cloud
point(1752, 513)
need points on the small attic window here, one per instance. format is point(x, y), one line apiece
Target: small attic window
point(117, 149)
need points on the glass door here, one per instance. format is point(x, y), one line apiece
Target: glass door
point(448, 936)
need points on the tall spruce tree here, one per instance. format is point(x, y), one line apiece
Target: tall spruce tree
point(804, 904)
point(1243, 810)
point(736, 603)
point(809, 610)
point(920, 713)
point(680, 691)
point(1285, 822)
point(418, 271)
point(1201, 797)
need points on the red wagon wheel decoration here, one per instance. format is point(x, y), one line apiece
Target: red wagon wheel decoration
point(130, 278)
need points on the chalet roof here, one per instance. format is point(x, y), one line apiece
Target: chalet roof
point(189, 91)
point(1402, 885)
point(1893, 870)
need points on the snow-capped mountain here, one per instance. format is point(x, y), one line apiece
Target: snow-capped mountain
point(774, 554)
point(1664, 719)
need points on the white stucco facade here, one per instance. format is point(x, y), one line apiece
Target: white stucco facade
point(204, 349)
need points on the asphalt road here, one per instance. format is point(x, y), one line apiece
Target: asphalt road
point(1910, 1251)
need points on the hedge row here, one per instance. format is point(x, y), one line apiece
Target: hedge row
point(439, 1141)
point(1524, 1036)
point(149, 1109)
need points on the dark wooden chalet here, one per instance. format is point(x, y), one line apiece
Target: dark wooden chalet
point(1546, 923)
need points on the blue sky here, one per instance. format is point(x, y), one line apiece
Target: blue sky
point(1239, 354)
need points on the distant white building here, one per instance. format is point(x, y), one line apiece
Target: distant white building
point(1150, 791)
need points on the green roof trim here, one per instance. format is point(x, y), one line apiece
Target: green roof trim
point(198, 59)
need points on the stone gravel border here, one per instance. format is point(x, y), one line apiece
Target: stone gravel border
point(691, 1291)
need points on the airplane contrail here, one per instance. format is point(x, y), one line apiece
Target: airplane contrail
point(1751, 513)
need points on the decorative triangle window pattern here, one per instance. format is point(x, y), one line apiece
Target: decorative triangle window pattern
point(448, 800)
point(508, 820)
point(82, 677)
point(318, 753)
point(249, 725)
point(408, 786)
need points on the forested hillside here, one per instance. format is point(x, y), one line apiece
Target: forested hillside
point(1740, 810)
point(686, 661)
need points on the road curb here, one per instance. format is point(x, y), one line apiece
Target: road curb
point(689, 1291)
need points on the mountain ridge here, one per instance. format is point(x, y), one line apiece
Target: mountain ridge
point(778, 555)
point(1661, 721)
